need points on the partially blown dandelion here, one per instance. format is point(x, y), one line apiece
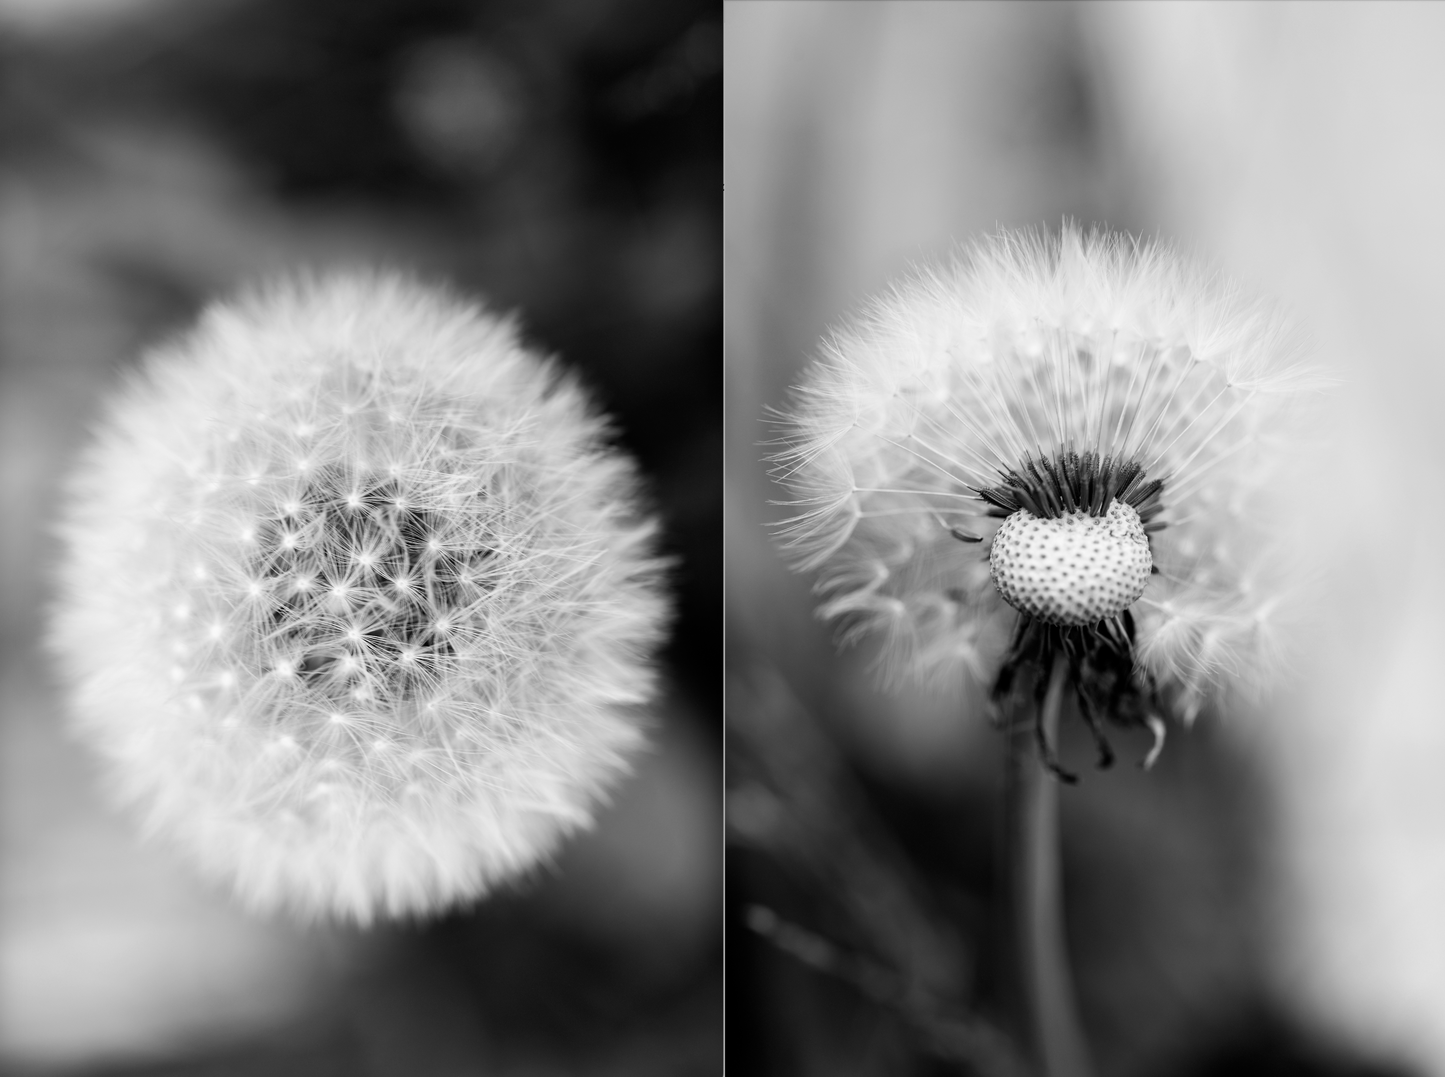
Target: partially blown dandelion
point(358, 600)
point(1079, 430)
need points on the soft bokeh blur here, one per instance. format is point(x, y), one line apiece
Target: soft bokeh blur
point(559, 158)
point(1267, 899)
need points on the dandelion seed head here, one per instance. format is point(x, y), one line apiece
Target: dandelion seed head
point(1073, 437)
point(459, 640)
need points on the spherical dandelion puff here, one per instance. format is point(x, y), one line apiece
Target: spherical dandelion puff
point(1052, 446)
point(358, 601)
point(1047, 467)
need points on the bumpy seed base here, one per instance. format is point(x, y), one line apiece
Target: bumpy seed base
point(1074, 569)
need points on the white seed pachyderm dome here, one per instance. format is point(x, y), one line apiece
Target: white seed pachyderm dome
point(1074, 569)
point(358, 600)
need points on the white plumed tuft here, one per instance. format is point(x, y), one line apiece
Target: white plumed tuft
point(358, 600)
point(1087, 352)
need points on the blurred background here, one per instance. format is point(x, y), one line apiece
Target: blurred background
point(1267, 900)
point(557, 157)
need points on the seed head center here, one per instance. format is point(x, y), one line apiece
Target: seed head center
point(1074, 569)
point(371, 591)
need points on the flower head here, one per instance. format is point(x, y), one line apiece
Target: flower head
point(358, 600)
point(1051, 447)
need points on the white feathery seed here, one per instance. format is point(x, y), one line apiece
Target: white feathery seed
point(1028, 348)
point(358, 600)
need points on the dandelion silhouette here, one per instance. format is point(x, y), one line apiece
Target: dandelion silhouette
point(1047, 467)
point(358, 600)
point(1052, 447)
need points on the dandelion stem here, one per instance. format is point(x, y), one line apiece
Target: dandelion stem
point(1047, 988)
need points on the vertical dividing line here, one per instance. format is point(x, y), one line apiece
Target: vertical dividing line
point(1057, 1043)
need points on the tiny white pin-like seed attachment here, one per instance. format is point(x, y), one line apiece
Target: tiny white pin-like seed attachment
point(1074, 569)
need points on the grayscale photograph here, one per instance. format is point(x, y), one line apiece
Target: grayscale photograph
point(362, 471)
point(1083, 381)
point(672, 538)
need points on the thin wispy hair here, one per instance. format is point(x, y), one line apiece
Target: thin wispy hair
point(1023, 347)
point(359, 599)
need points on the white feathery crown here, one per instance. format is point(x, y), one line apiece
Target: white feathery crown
point(358, 600)
point(1086, 367)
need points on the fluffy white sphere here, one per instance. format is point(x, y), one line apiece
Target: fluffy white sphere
point(1116, 369)
point(357, 599)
